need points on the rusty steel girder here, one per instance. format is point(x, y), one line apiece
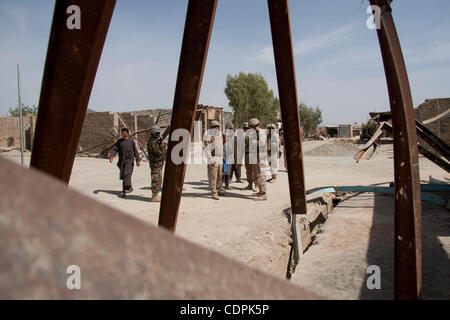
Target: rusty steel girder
point(287, 88)
point(433, 140)
point(42, 234)
point(71, 64)
point(70, 67)
point(194, 50)
point(408, 245)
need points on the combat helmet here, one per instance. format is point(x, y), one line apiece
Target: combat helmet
point(155, 129)
point(253, 122)
point(214, 123)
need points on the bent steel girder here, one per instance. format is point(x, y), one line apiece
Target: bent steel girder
point(408, 247)
point(70, 67)
point(194, 50)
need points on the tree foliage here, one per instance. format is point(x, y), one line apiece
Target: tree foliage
point(370, 126)
point(310, 118)
point(250, 97)
point(14, 112)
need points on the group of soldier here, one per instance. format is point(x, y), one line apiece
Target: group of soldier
point(217, 159)
point(219, 170)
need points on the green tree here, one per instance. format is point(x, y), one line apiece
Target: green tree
point(310, 118)
point(14, 112)
point(250, 97)
point(370, 127)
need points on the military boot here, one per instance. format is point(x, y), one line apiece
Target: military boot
point(249, 187)
point(155, 197)
point(261, 197)
point(215, 196)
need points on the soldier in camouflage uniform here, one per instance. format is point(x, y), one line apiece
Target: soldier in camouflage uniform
point(214, 154)
point(156, 150)
point(257, 169)
point(248, 170)
point(273, 152)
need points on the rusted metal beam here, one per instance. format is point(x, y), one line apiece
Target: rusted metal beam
point(45, 230)
point(194, 50)
point(71, 64)
point(434, 158)
point(383, 126)
point(287, 88)
point(408, 245)
point(433, 140)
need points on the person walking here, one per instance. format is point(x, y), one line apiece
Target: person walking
point(214, 154)
point(157, 150)
point(126, 148)
point(248, 170)
point(257, 168)
point(236, 167)
point(273, 152)
point(226, 167)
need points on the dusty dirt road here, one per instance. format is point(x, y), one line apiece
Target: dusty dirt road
point(253, 232)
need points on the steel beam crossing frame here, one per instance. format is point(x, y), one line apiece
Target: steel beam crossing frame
point(287, 88)
point(408, 230)
point(194, 50)
point(71, 65)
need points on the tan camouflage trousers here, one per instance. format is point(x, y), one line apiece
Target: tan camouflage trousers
point(156, 174)
point(259, 178)
point(248, 170)
point(214, 178)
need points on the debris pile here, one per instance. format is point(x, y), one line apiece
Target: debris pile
point(336, 148)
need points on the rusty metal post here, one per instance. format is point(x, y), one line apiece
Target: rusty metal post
point(408, 246)
point(194, 50)
point(71, 64)
point(287, 88)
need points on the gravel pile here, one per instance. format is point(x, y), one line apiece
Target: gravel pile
point(338, 148)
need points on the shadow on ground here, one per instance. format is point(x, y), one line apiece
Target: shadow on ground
point(208, 195)
point(435, 260)
point(129, 195)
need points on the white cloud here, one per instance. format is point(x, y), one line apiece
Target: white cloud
point(428, 54)
point(266, 55)
point(331, 39)
point(311, 45)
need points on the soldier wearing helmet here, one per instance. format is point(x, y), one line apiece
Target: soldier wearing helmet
point(156, 149)
point(258, 169)
point(214, 155)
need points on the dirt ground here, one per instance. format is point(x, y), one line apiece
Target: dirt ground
point(360, 233)
point(253, 232)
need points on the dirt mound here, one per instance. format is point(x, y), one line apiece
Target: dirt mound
point(338, 148)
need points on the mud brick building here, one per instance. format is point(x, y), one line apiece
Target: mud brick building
point(101, 128)
point(10, 132)
point(432, 108)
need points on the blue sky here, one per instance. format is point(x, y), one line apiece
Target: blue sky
point(337, 58)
